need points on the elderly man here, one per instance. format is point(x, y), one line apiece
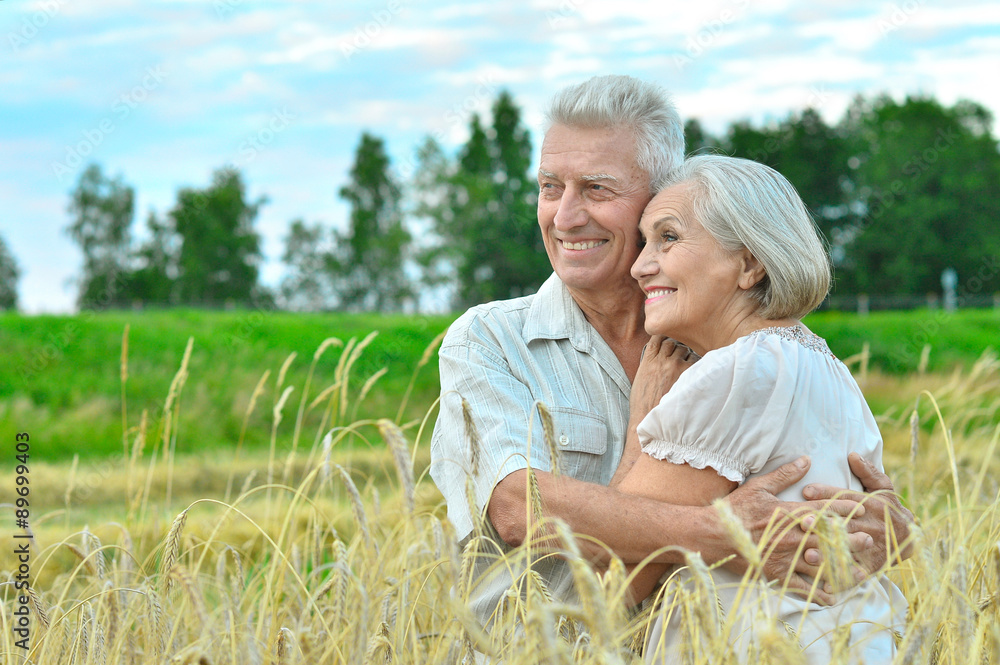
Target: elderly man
point(576, 347)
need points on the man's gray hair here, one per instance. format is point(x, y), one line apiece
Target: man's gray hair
point(623, 101)
point(743, 203)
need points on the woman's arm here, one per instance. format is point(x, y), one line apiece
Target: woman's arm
point(678, 484)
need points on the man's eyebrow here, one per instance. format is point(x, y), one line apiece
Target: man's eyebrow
point(598, 176)
point(591, 177)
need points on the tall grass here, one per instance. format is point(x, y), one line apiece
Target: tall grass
point(315, 551)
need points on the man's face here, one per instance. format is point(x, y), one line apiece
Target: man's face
point(591, 195)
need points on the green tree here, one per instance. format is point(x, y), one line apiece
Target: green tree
point(154, 275)
point(759, 144)
point(696, 139)
point(813, 156)
point(309, 284)
point(926, 180)
point(219, 256)
point(9, 274)
point(434, 194)
point(102, 211)
point(368, 261)
point(482, 211)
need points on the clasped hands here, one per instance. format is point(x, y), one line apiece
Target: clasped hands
point(877, 526)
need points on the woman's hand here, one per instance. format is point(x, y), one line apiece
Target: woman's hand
point(663, 361)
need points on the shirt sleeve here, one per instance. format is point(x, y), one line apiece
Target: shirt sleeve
point(502, 412)
point(726, 412)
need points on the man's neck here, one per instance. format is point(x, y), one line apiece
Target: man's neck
point(617, 316)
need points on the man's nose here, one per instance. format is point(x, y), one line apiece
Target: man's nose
point(571, 212)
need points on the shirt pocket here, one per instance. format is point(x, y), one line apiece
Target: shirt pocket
point(581, 442)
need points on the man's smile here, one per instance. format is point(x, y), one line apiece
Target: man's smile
point(585, 244)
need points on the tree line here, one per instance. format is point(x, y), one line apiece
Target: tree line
point(902, 190)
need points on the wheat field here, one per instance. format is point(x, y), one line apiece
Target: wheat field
point(332, 546)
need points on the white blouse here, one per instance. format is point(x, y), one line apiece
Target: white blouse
point(744, 410)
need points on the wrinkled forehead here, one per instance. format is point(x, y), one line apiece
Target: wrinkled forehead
point(674, 203)
point(620, 135)
point(590, 151)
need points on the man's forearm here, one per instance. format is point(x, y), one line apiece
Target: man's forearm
point(631, 526)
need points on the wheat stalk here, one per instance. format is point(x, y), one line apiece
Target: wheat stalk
point(172, 415)
point(40, 608)
point(172, 547)
point(359, 509)
point(424, 359)
point(87, 561)
point(154, 621)
point(181, 573)
point(472, 434)
point(92, 546)
point(738, 534)
point(549, 434)
point(284, 644)
point(379, 650)
point(123, 376)
point(254, 396)
point(399, 448)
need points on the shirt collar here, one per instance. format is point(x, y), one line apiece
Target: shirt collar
point(555, 315)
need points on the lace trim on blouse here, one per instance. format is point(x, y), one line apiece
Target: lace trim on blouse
point(729, 468)
point(800, 335)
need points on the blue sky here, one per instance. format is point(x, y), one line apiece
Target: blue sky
point(163, 92)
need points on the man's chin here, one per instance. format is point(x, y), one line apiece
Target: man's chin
point(586, 278)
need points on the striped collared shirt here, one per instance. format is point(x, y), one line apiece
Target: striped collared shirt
point(504, 358)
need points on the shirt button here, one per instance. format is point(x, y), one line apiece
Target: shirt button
point(563, 440)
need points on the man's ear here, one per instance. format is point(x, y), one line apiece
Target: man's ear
point(751, 270)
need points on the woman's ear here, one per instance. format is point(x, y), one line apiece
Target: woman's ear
point(751, 270)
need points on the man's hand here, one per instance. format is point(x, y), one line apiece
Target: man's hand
point(891, 537)
point(756, 503)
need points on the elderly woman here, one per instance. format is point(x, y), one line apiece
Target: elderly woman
point(730, 264)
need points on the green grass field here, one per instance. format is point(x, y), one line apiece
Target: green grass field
point(60, 376)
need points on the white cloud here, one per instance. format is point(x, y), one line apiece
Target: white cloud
point(971, 15)
point(850, 34)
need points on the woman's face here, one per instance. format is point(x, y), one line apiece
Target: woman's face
point(692, 284)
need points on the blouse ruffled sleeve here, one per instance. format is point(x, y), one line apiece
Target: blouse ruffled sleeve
point(726, 412)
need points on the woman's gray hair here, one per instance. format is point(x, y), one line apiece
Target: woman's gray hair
point(743, 203)
point(623, 101)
